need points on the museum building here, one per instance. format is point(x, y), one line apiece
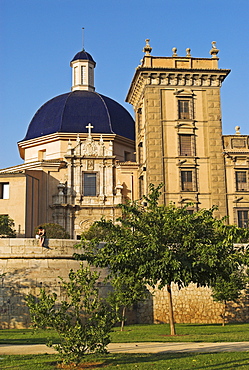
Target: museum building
point(83, 154)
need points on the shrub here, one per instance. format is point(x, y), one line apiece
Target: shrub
point(54, 231)
point(7, 227)
point(83, 320)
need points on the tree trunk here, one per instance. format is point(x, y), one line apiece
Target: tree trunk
point(171, 313)
point(224, 313)
point(123, 319)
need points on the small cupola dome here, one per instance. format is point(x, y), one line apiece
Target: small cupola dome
point(83, 55)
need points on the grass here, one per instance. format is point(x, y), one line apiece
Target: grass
point(142, 333)
point(185, 333)
point(169, 361)
point(132, 361)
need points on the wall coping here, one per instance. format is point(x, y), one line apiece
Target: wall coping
point(29, 248)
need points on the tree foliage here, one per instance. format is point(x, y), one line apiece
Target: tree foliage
point(83, 320)
point(229, 289)
point(7, 227)
point(158, 245)
point(126, 292)
point(53, 231)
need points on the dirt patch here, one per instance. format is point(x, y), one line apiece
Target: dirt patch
point(177, 335)
point(86, 365)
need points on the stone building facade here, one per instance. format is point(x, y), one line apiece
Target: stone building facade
point(179, 139)
point(79, 161)
point(83, 154)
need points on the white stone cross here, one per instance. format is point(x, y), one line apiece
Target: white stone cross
point(89, 127)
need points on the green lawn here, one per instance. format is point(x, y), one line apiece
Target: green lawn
point(143, 333)
point(138, 333)
point(169, 361)
point(185, 333)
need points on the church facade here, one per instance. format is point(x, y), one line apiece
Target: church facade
point(84, 154)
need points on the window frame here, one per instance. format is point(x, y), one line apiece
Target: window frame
point(241, 221)
point(3, 190)
point(181, 144)
point(90, 194)
point(239, 184)
point(182, 104)
point(192, 182)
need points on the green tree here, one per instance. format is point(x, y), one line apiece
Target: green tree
point(83, 320)
point(7, 227)
point(54, 231)
point(161, 245)
point(229, 289)
point(126, 293)
point(94, 231)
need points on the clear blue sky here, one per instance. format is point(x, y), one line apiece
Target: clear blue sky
point(40, 37)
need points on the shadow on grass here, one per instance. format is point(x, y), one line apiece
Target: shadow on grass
point(201, 361)
point(162, 361)
point(26, 336)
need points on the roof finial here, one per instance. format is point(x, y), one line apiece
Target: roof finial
point(83, 38)
point(188, 54)
point(237, 130)
point(214, 51)
point(174, 52)
point(147, 49)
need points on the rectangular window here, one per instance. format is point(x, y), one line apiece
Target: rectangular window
point(185, 145)
point(141, 186)
point(89, 184)
point(4, 190)
point(83, 75)
point(140, 152)
point(139, 118)
point(243, 218)
point(187, 180)
point(91, 75)
point(75, 75)
point(184, 109)
point(241, 181)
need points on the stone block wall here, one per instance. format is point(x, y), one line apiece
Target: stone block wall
point(25, 267)
point(191, 305)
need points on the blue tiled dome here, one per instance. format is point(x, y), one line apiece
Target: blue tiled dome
point(83, 55)
point(73, 111)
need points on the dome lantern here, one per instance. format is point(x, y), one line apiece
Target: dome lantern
point(83, 71)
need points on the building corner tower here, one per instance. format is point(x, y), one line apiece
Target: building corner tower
point(178, 128)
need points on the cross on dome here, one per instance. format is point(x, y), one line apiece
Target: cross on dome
point(89, 127)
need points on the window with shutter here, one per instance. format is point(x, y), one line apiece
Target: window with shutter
point(241, 181)
point(243, 218)
point(184, 109)
point(187, 180)
point(185, 145)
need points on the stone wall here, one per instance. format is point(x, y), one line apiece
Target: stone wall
point(27, 267)
point(191, 305)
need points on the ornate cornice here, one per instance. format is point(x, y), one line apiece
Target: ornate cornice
point(174, 77)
